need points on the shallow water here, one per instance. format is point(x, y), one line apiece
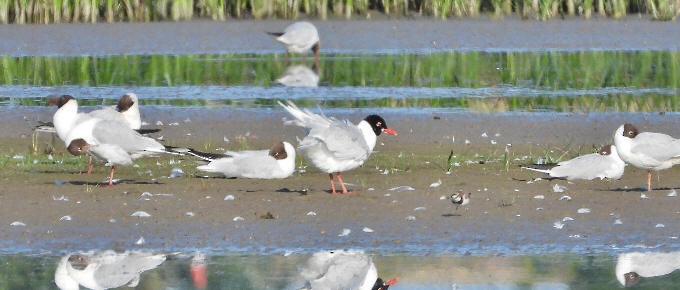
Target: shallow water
point(242, 271)
point(595, 81)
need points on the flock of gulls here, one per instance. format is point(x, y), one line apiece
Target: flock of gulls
point(114, 135)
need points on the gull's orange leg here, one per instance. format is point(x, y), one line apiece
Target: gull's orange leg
point(342, 183)
point(89, 166)
point(332, 184)
point(113, 169)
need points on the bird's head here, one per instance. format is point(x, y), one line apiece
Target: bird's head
point(78, 147)
point(379, 125)
point(382, 285)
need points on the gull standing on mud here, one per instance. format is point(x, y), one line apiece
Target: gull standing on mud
point(646, 150)
point(67, 116)
point(111, 141)
point(342, 269)
point(299, 37)
point(630, 267)
point(334, 146)
point(277, 162)
point(104, 270)
point(606, 163)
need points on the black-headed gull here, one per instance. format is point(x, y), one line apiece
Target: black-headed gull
point(104, 270)
point(342, 269)
point(630, 267)
point(646, 150)
point(334, 146)
point(460, 198)
point(126, 110)
point(111, 141)
point(277, 162)
point(605, 163)
point(67, 116)
point(300, 37)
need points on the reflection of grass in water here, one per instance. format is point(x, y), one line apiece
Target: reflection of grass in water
point(544, 70)
point(487, 73)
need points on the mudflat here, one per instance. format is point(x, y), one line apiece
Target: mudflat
point(395, 209)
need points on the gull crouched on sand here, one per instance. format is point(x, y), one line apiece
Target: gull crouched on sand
point(105, 269)
point(299, 37)
point(342, 269)
point(334, 146)
point(277, 162)
point(646, 150)
point(605, 163)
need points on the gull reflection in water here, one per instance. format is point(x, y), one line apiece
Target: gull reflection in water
point(342, 269)
point(199, 270)
point(104, 269)
point(300, 76)
point(631, 267)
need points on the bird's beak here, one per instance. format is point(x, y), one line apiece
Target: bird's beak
point(390, 131)
point(53, 101)
point(391, 282)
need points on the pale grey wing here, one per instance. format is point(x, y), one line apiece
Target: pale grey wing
point(587, 167)
point(123, 269)
point(256, 164)
point(299, 33)
point(118, 133)
point(113, 154)
point(656, 146)
point(346, 271)
point(317, 265)
point(107, 113)
point(249, 164)
point(305, 118)
point(343, 139)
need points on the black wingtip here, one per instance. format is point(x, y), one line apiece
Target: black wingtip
point(205, 155)
point(277, 34)
point(147, 131)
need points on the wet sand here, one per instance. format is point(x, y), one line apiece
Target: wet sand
point(504, 217)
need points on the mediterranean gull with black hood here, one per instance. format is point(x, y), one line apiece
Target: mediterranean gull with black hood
point(334, 146)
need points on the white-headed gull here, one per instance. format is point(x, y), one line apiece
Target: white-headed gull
point(460, 198)
point(342, 269)
point(104, 270)
point(630, 267)
point(299, 37)
point(605, 163)
point(277, 162)
point(300, 76)
point(111, 141)
point(334, 146)
point(646, 150)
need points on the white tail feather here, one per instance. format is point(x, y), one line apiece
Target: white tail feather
point(539, 170)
